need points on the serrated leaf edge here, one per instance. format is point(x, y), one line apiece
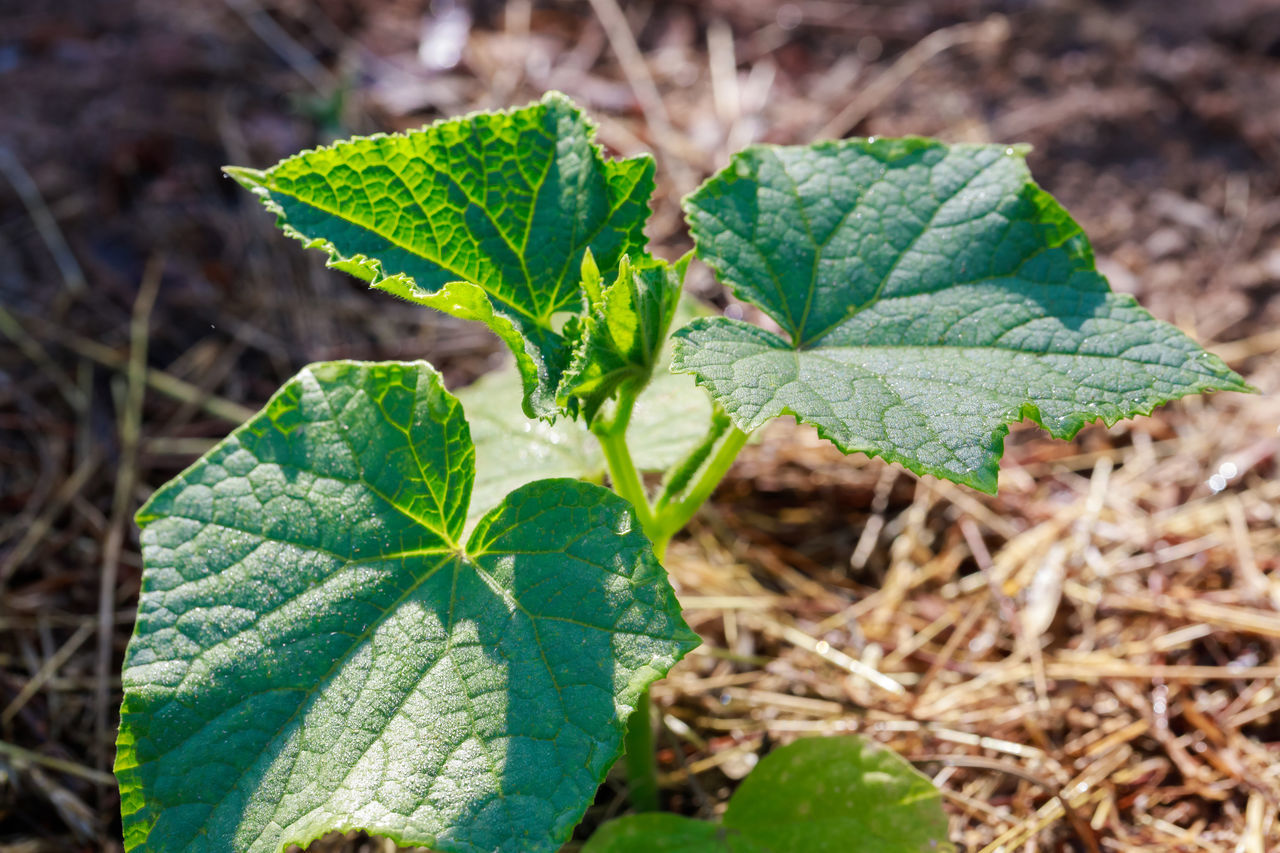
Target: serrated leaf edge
point(985, 478)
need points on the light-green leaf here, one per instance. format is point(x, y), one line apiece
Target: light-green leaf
point(816, 795)
point(316, 650)
point(486, 217)
point(624, 332)
point(928, 295)
point(669, 420)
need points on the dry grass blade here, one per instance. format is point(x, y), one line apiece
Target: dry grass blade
point(126, 476)
point(18, 177)
point(991, 32)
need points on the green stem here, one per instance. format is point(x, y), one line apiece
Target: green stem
point(659, 526)
point(642, 763)
point(612, 436)
point(671, 517)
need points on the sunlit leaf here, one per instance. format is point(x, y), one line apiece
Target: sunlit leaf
point(317, 648)
point(486, 217)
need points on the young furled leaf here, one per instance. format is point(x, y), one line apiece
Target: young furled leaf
point(624, 332)
point(929, 295)
point(486, 217)
point(816, 795)
point(316, 649)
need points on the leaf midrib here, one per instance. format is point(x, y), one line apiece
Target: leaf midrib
point(926, 228)
point(461, 278)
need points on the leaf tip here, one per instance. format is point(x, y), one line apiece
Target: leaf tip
point(248, 178)
point(558, 98)
point(985, 480)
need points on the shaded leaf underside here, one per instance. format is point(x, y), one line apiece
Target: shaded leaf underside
point(316, 652)
point(669, 420)
point(929, 296)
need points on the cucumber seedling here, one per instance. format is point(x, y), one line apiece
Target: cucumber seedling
point(359, 611)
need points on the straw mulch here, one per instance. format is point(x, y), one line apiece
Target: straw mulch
point(1086, 662)
point(1090, 657)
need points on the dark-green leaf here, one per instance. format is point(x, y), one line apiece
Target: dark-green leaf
point(316, 650)
point(486, 217)
point(817, 795)
point(928, 296)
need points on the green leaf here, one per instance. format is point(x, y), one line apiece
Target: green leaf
point(624, 333)
point(666, 833)
point(816, 795)
point(486, 217)
point(928, 296)
point(838, 795)
point(316, 651)
point(512, 450)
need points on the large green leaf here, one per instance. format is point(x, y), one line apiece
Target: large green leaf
point(929, 295)
point(817, 795)
point(486, 217)
point(316, 650)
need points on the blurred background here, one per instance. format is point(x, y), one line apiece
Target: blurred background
point(1089, 659)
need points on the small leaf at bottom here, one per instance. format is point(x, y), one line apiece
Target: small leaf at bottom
point(816, 795)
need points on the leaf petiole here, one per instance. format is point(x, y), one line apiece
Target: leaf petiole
point(612, 434)
point(670, 517)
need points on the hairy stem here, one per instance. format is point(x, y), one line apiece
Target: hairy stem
point(641, 763)
point(686, 491)
point(678, 478)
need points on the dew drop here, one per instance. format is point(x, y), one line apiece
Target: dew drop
point(1217, 482)
point(1009, 150)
